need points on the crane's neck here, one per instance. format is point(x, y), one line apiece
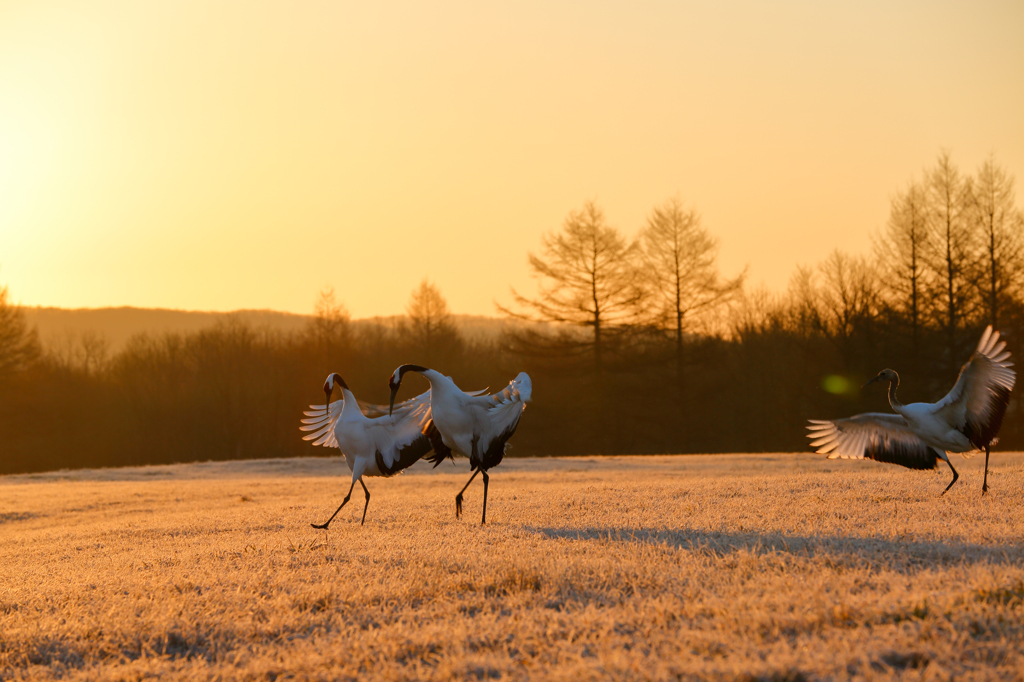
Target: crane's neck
point(347, 400)
point(435, 377)
point(894, 402)
point(350, 405)
point(441, 387)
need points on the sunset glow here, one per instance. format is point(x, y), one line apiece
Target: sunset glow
point(217, 156)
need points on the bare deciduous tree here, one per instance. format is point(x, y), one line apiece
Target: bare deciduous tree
point(430, 320)
point(848, 292)
point(329, 331)
point(952, 256)
point(900, 250)
point(19, 345)
point(330, 323)
point(87, 352)
point(1000, 225)
point(836, 298)
point(679, 269)
point(588, 277)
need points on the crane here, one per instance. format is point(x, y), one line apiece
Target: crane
point(920, 434)
point(374, 444)
point(470, 425)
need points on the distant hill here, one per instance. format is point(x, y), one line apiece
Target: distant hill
point(117, 325)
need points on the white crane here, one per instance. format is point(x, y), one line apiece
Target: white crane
point(967, 419)
point(469, 424)
point(374, 444)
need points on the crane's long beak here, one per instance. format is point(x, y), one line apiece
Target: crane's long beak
point(871, 381)
point(328, 406)
point(391, 407)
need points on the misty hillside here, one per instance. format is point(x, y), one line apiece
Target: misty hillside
point(117, 325)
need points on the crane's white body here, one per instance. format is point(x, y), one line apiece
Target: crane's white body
point(931, 425)
point(372, 446)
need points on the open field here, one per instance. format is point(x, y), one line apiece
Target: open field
point(765, 566)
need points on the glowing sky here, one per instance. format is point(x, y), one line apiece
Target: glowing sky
point(224, 155)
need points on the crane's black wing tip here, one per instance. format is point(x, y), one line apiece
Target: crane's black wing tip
point(982, 434)
point(909, 455)
point(407, 456)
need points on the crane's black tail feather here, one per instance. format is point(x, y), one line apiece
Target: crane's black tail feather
point(441, 451)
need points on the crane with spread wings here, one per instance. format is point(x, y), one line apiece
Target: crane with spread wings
point(374, 442)
point(919, 434)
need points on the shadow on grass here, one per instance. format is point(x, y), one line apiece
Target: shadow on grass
point(892, 553)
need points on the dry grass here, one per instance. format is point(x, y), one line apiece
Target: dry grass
point(778, 567)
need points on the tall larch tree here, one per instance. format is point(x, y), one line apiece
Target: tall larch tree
point(587, 276)
point(1000, 225)
point(680, 270)
point(953, 253)
point(19, 345)
point(430, 321)
point(900, 250)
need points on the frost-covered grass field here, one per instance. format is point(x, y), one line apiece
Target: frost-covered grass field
point(752, 566)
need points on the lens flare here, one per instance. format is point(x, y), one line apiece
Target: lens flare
point(836, 384)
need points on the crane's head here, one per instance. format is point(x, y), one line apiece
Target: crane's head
point(332, 380)
point(396, 381)
point(889, 375)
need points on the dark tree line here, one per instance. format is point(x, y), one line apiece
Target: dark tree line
point(635, 345)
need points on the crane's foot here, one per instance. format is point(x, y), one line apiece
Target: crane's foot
point(984, 481)
point(458, 506)
point(322, 526)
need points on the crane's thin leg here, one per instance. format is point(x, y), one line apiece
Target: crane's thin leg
point(984, 484)
point(367, 500)
point(458, 498)
point(483, 519)
point(343, 503)
point(955, 475)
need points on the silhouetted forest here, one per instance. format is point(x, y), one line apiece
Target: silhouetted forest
point(644, 346)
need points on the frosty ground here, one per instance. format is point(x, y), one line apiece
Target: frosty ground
point(784, 566)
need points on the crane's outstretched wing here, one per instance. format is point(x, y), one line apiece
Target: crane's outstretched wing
point(322, 425)
point(875, 435)
point(501, 410)
point(374, 410)
point(507, 406)
point(978, 401)
point(519, 390)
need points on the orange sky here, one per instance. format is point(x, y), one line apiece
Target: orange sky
point(224, 155)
